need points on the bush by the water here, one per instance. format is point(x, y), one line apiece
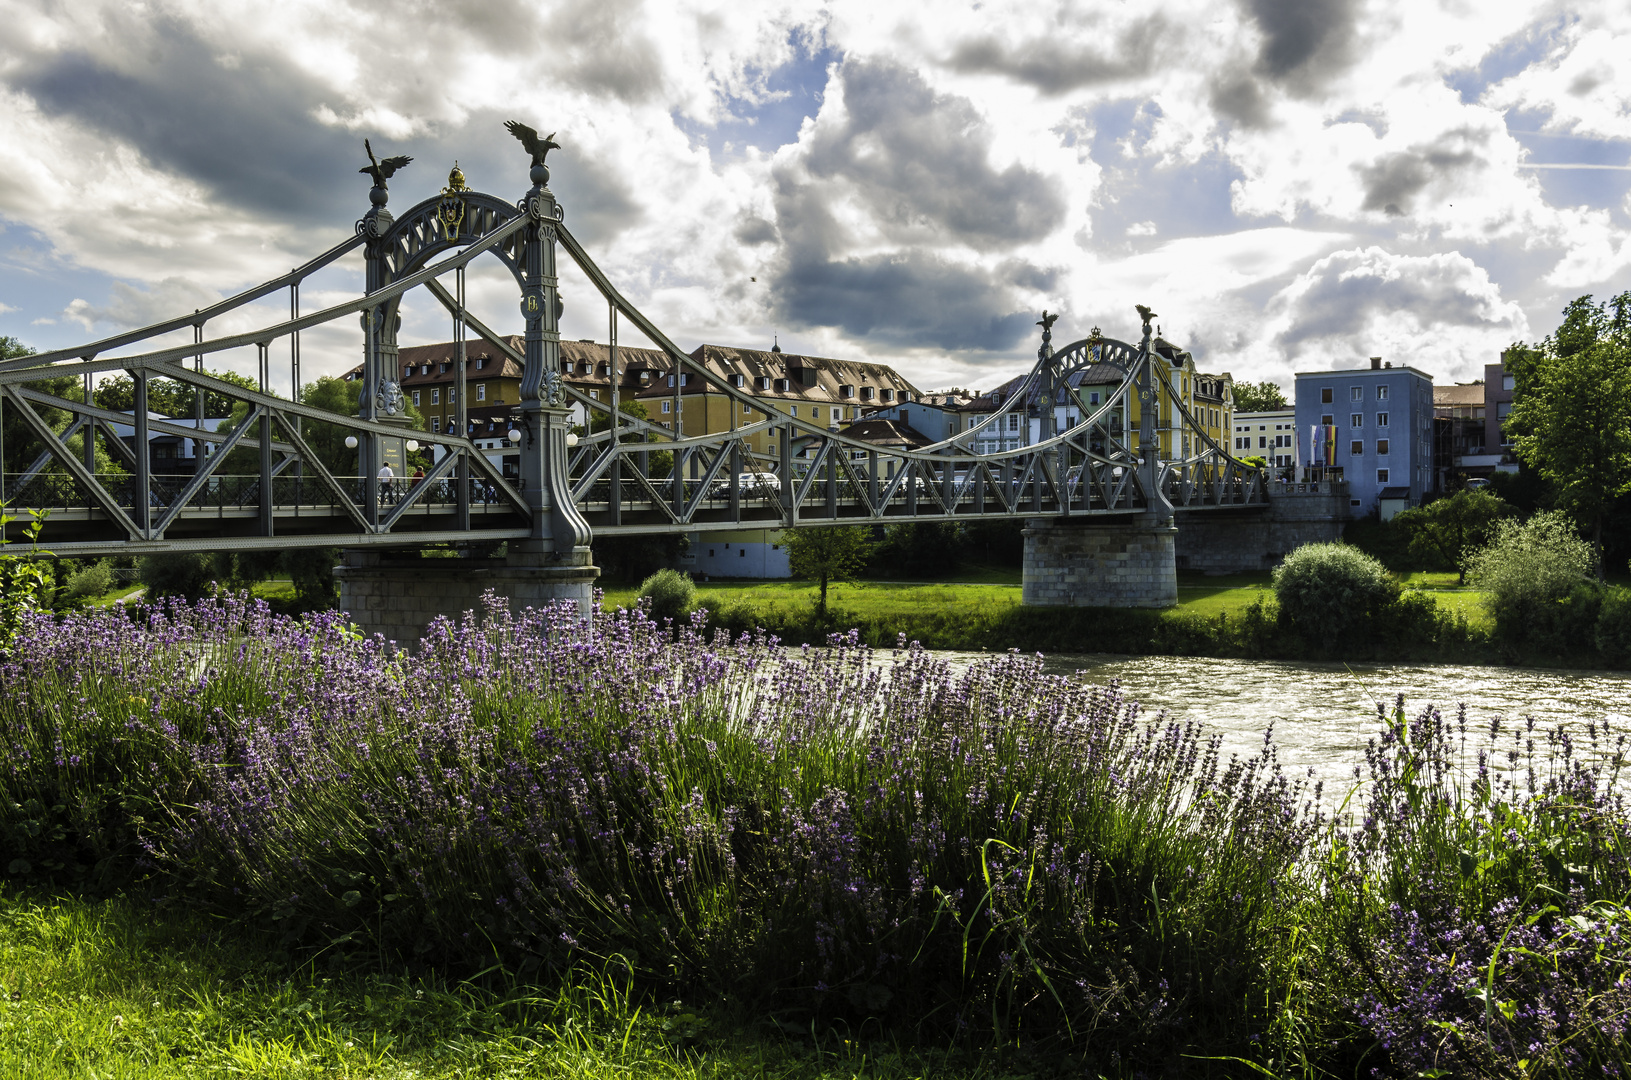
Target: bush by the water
point(988, 854)
point(669, 594)
point(1328, 592)
point(1539, 584)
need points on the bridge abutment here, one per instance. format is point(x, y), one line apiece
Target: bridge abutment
point(399, 594)
point(1121, 562)
point(1226, 541)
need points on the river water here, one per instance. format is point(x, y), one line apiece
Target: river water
point(1323, 714)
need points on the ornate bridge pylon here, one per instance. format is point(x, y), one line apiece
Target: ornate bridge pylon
point(632, 477)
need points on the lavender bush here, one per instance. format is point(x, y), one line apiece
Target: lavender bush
point(831, 834)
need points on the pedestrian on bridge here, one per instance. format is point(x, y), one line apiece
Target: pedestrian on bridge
point(386, 476)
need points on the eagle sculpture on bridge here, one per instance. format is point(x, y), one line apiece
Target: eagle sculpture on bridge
point(1145, 313)
point(538, 148)
point(382, 171)
point(1047, 321)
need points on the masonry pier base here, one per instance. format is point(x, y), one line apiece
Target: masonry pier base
point(399, 594)
point(1125, 562)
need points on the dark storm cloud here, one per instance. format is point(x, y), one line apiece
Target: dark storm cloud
point(911, 300)
point(1304, 43)
point(1057, 66)
point(1303, 39)
point(915, 163)
point(597, 47)
point(918, 159)
point(1393, 181)
point(245, 131)
point(1352, 288)
point(1237, 96)
point(755, 230)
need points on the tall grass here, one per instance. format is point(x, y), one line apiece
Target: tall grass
point(992, 856)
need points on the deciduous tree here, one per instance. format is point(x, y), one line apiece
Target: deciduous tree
point(827, 554)
point(1449, 530)
point(1258, 397)
point(1571, 408)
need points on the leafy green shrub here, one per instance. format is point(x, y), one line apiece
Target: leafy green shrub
point(1613, 630)
point(1531, 574)
point(89, 581)
point(1331, 592)
point(186, 574)
point(671, 594)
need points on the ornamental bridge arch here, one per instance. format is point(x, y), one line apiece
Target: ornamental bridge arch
point(1100, 502)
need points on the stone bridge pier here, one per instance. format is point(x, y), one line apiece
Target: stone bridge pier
point(399, 593)
point(1133, 561)
point(1098, 562)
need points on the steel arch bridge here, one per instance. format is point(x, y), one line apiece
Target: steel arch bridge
point(632, 477)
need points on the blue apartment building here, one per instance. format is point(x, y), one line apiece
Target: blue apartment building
point(1375, 427)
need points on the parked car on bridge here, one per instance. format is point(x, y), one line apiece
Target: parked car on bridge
point(752, 485)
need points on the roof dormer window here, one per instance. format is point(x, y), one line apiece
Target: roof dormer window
point(481, 362)
point(424, 369)
point(866, 393)
point(846, 390)
point(441, 368)
point(764, 382)
point(671, 380)
point(886, 395)
point(784, 385)
point(739, 380)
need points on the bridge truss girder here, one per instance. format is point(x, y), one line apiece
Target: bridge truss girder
point(633, 477)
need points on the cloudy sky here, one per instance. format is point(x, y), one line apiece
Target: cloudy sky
point(1292, 184)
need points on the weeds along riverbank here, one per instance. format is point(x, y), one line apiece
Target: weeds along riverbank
point(831, 839)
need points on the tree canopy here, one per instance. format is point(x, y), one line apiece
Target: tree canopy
point(1262, 396)
point(1448, 530)
point(827, 554)
point(1571, 408)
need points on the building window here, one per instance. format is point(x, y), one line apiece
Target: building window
point(1357, 448)
point(1356, 393)
point(1381, 419)
point(1356, 420)
point(739, 380)
point(435, 424)
point(1508, 383)
point(1093, 398)
point(1381, 392)
point(1325, 395)
point(1381, 476)
point(667, 405)
point(1328, 419)
point(764, 382)
point(481, 391)
point(416, 397)
point(1262, 442)
point(436, 397)
point(594, 395)
point(424, 369)
point(747, 410)
point(792, 410)
point(1381, 448)
point(1013, 421)
point(741, 553)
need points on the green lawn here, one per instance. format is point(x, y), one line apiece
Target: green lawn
point(119, 988)
point(1197, 593)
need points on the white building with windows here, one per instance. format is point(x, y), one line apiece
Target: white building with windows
point(1271, 436)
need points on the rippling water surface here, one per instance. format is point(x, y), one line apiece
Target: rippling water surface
point(1323, 714)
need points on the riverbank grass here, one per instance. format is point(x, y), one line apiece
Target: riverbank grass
point(121, 987)
point(783, 603)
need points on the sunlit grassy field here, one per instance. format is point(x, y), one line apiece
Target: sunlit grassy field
point(121, 988)
point(1198, 594)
